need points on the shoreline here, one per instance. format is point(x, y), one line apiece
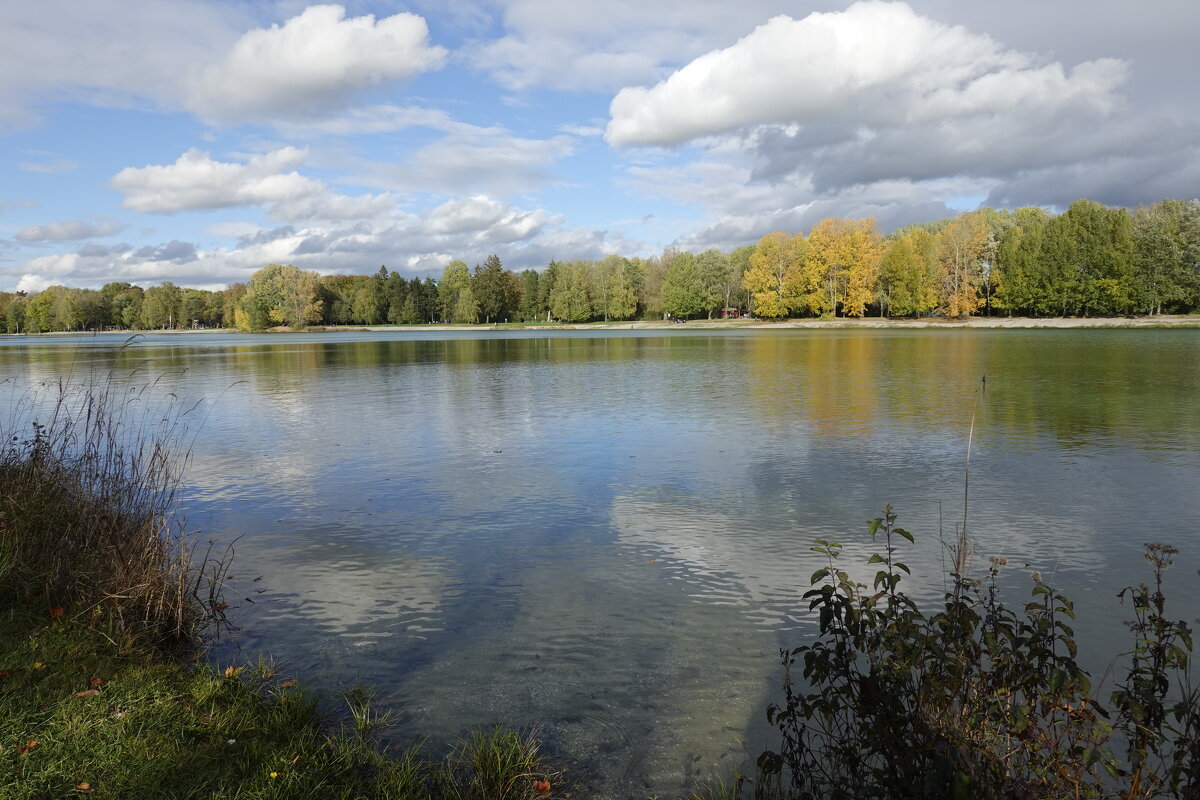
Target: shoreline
point(841, 323)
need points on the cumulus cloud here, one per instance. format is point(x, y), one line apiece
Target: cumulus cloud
point(469, 228)
point(489, 220)
point(195, 182)
point(115, 53)
point(876, 64)
point(312, 64)
point(70, 230)
point(880, 111)
point(465, 159)
point(602, 45)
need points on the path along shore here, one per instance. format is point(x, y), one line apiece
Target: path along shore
point(1160, 321)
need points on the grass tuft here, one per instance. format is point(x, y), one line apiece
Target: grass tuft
point(88, 476)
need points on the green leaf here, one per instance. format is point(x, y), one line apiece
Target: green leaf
point(904, 533)
point(875, 559)
point(873, 526)
point(819, 575)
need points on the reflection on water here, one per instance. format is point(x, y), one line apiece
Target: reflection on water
point(606, 535)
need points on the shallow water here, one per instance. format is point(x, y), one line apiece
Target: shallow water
point(606, 534)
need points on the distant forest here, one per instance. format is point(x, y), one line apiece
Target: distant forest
point(1091, 260)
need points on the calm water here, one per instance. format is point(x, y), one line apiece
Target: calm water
point(605, 535)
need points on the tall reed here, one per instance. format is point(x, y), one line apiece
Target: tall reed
point(89, 472)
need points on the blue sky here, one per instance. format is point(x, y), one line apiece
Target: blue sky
point(151, 140)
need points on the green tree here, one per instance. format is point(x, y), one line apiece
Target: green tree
point(712, 271)
point(570, 298)
point(731, 290)
point(908, 275)
point(466, 307)
point(397, 299)
point(530, 308)
point(620, 300)
point(281, 294)
point(364, 306)
point(160, 306)
point(455, 278)
point(546, 283)
point(1022, 275)
point(493, 290)
point(683, 296)
point(14, 314)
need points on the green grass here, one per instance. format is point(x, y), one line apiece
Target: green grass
point(135, 722)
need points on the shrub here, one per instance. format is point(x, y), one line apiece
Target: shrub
point(976, 700)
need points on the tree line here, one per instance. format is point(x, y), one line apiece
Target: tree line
point(1091, 260)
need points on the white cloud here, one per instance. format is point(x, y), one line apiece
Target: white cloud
point(876, 64)
point(313, 64)
point(469, 228)
point(32, 283)
point(582, 130)
point(470, 160)
point(116, 53)
point(70, 230)
point(602, 45)
point(195, 182)
point(47, 163)
point(879, 111)
point(486, 219)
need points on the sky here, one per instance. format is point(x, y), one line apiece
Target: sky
point(198, 141)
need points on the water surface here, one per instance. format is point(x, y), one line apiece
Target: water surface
point(606, 534)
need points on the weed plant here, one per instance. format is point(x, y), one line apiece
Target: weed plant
point(977, 699)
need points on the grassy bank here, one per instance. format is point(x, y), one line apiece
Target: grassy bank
point(104, 602)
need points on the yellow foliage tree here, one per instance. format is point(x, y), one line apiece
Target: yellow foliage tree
point(960, 249)
point(865, 255)
point(774, 275)
point(844, 257)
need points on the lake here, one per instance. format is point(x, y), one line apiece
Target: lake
point(604, 535)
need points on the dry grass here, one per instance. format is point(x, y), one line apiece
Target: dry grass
point(88, 477)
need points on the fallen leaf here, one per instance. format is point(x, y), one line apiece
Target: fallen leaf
point(85, 787)
point(288, 684)
point(38, 665)
point(94, 682)
point(88, 693)
point(541, 787)
point(232, 671)
point(4, 673)
point(220, 606)
point(652, 562)
point(25, 748)
point(55, 613)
